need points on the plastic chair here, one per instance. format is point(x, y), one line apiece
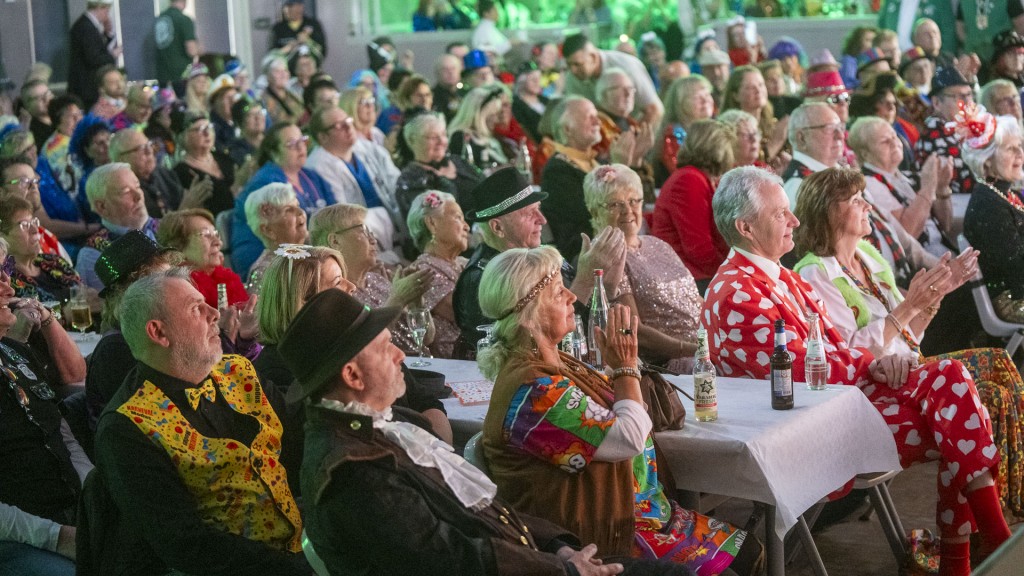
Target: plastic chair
point(993, 325)
point(312, 557)
point(474, 453)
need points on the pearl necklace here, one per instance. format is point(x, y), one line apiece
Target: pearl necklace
point(1011, 198)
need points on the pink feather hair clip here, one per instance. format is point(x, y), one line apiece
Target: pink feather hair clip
point(972, 125)
point(606, 174)
point(432, 200)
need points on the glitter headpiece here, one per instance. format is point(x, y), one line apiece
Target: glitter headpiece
point(531, 295)
point(293, 252)
point(972, 125)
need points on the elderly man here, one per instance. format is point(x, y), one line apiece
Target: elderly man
point(295, 27)
point(751, 291)
point(817, 137)
point(138, 108)
point(91, 45)
point(714, 65)
point(577, 134)
point(35, 98)
point(586, 64)
point(387, 497)
point(509, 213)
point(162, 188)
point(189, 448)
point(447, 94)
point(949, 90)
point(358, 171)
point(115, 194)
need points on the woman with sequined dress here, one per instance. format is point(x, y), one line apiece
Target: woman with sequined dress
point(656, 285)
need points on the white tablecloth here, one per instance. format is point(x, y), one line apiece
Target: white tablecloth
point(790, 458)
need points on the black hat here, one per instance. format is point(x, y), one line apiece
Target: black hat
point(946, 77)
point(1006, 41)
point(526, 68)
point(330, 330)
point(124, 257)
point(864, 98)
point(500, 193)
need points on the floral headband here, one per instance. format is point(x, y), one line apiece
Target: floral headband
point(432, 200)
point(531, 295)
point(293, 252)
point(972, 125)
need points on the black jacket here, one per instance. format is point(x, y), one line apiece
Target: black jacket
point(564, 207)
point(996, 229)
point(466, 302)
point(87, 48)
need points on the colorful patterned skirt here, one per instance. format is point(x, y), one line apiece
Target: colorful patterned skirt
point(1002, 392)
point(705, 545)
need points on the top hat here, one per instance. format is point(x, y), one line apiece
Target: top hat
point(124, 257)
point(327, 333)
point(500, 193)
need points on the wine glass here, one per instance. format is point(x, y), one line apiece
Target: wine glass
point(419, 321)
point(78, 309)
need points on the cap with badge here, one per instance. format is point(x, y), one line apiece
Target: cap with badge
point(504, 191)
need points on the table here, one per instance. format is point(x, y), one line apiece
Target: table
point(787, 460)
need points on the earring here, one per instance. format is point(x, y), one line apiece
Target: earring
point(533, 344)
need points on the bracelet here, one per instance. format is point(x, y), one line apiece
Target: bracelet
point(47, 322)
point(896, 323)
point(932, 310)
point(626, 371)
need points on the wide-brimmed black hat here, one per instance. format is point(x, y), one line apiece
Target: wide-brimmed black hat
point(330, 330)
point(864, 98)
point(1006, 41)
point(500, 193)
point(945, 77)
point(124, 257)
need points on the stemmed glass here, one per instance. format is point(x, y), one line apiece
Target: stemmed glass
point(78, 309)
point(419, 321)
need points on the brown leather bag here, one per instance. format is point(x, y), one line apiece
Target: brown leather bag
point(663, 404)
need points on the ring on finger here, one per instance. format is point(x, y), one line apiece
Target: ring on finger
point(626, 331)
point(933, 288)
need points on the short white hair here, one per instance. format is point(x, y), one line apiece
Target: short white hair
point(275, 193)
point(977, 158)
point(737, 198)
point(96, 185)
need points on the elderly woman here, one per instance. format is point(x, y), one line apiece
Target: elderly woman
point(35, 275)
point(158, 129)
point(1001, 97)
point(440, 232)
point(656, 285)
point(89, 148)
point(197, 87)
point(682, 213)
point(471, 131)
point(343, 228)
point(994, 221)
point(925, 211)
point(747, 146)
point(432, 168)
point(360, 104)
point(746, 91)
point(65, 113)
point(281, 158)
point(282, 104)
point(296, 274)
point(274, 216)
point(686, 101)
point(221, 101)
point(196, 139)
point(616, 96)
point(192, 233)
point(877, 97)
point(868, 310)
point(44, 467)
point(555, 422)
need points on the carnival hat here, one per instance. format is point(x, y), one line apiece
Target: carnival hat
point(869, 57)
point(911, 56)
point(867, 95)
point(825, 82)
point(327, 333)
point(1006, 41)
point(946, 77)
point(124, 257)
point(500, 193)
point(713, 57)
point(474, 60)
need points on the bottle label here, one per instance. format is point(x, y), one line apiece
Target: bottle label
point(705, 393)
point(814, 349)
point(782, 382)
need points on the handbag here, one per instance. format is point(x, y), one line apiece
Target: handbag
point(662, 400)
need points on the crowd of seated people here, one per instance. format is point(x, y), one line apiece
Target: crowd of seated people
point(251, 256)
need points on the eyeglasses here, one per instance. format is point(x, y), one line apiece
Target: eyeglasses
point(834, 128)
point(28, 225)
point(363, 228)
point(294, 143)
point(837, 99)
point(204, 127)
point(368, 102)
point(345, 125)
point(41, 96)
point(748, 136)
point(961, 97)
point(146, 147)
point(621, 205)
point(209, 233)
point(22, 183)
point(629, 90)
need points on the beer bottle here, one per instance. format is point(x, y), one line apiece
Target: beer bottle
point(705, 393)
point(782, 370)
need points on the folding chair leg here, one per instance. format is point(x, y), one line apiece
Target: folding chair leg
point(804, 531)
point(897, 523)
point(895, 539)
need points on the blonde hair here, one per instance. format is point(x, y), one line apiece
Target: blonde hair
point(605, 180)
point(175, 227)
point(333, 218)
point(506, 280)
point(473, 112)
point(287, 285)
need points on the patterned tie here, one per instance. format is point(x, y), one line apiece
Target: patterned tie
point(204, 390)
point(880, 228)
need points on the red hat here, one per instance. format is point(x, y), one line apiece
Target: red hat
point(824, 83)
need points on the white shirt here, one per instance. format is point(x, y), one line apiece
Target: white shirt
point(793, 184)
point(646, 95)
point(488, 38)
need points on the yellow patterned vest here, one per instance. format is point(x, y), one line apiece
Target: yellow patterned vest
point(241, 490)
